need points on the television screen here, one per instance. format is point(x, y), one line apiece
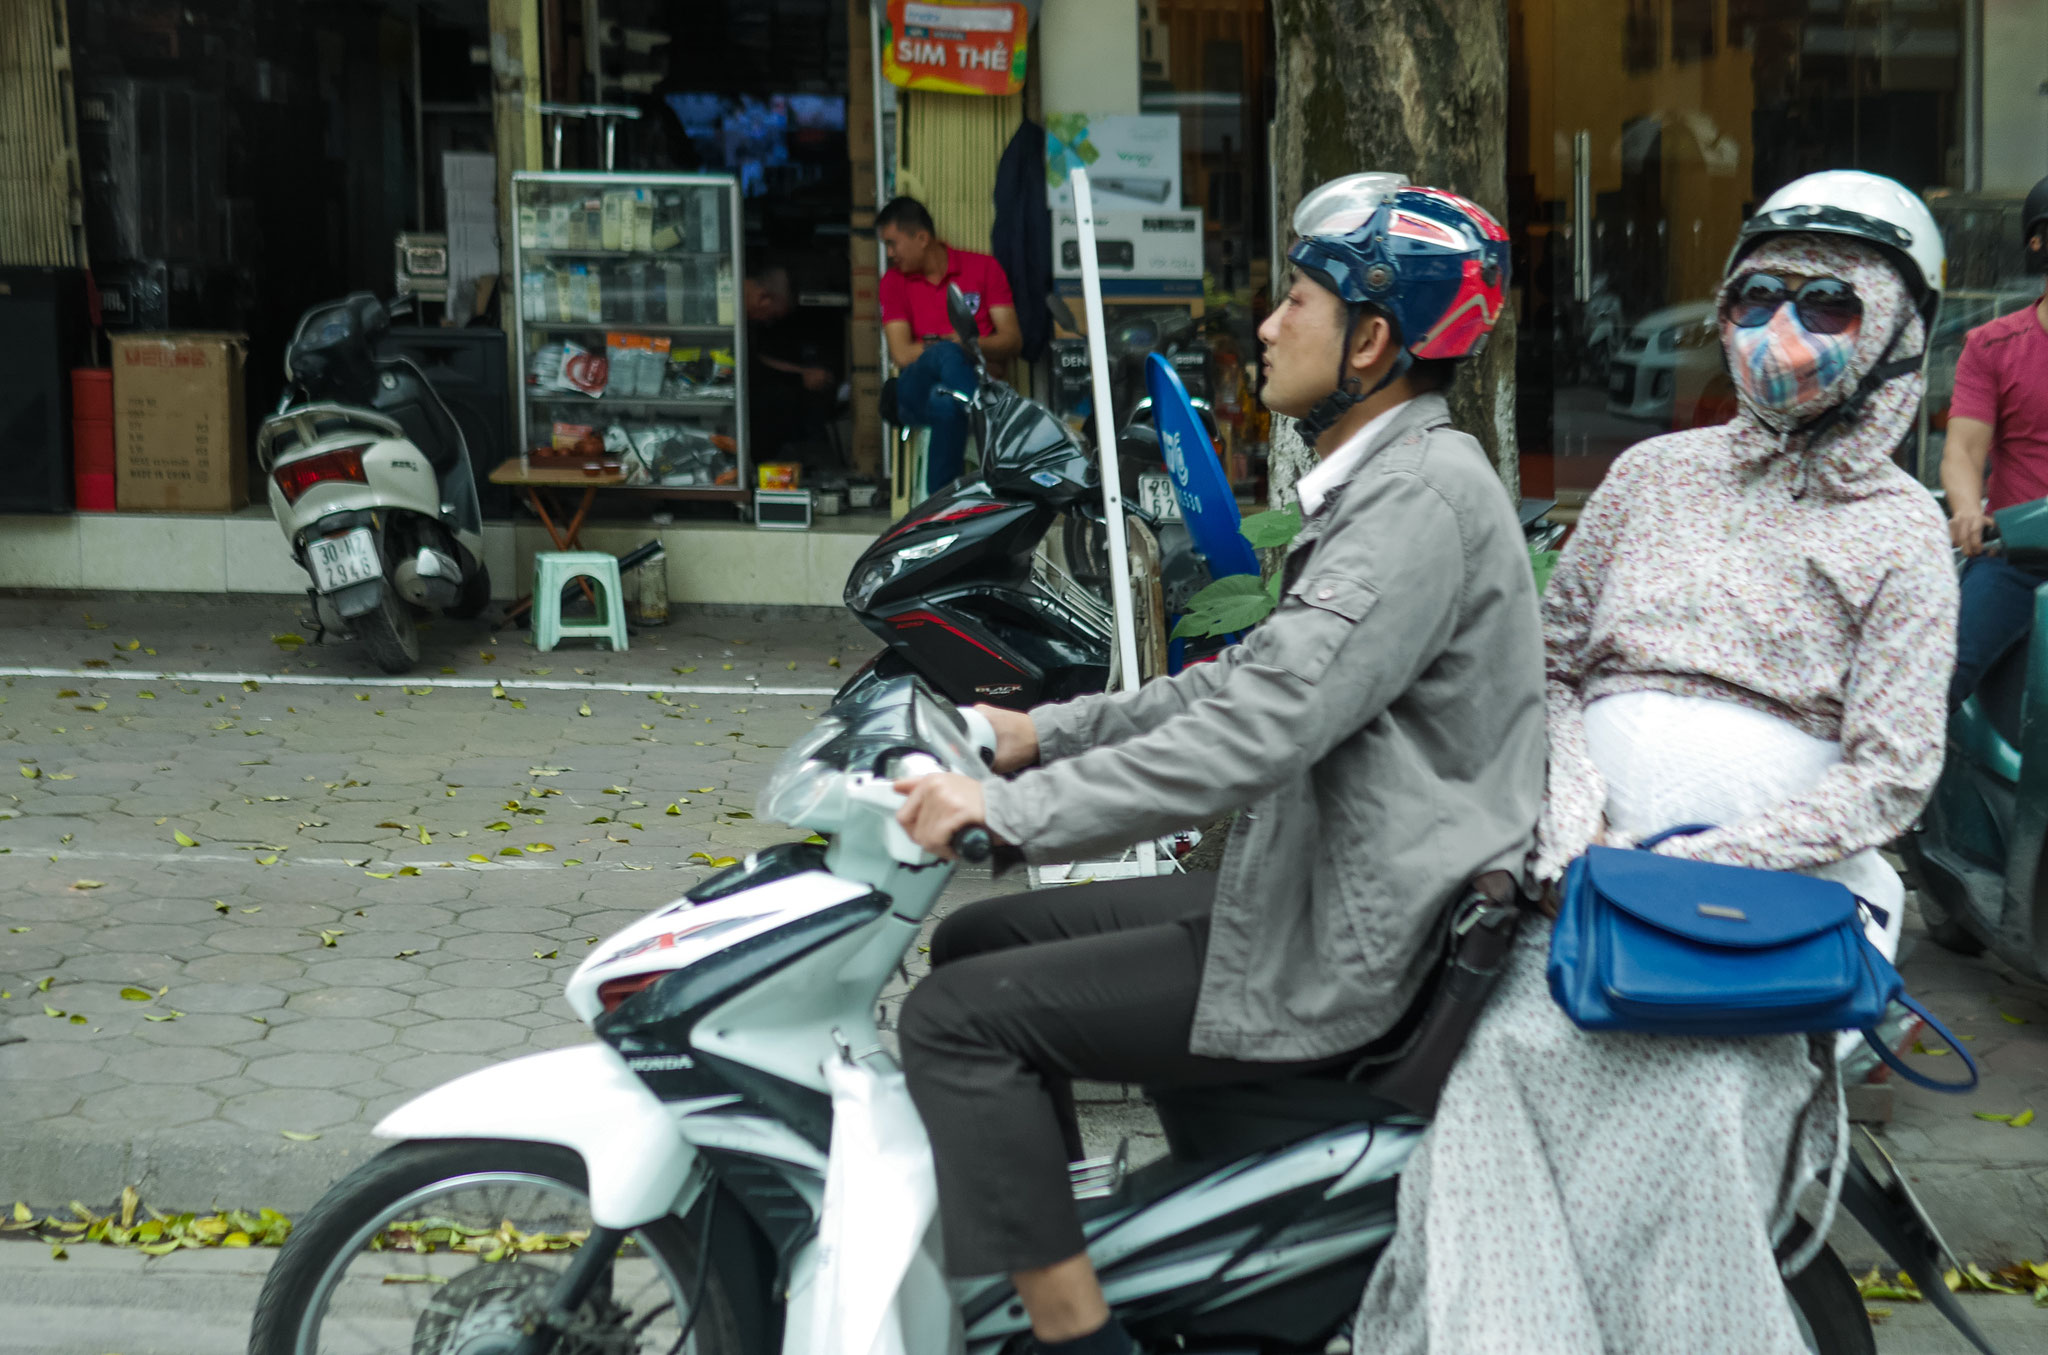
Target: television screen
point(775, 143)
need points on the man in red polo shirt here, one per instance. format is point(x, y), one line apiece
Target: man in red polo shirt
point(931, 365)
point(1999, 415)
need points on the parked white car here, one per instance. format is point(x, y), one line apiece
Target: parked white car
point(1667, 349)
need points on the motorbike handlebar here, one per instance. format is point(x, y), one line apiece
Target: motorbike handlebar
point(974, 843)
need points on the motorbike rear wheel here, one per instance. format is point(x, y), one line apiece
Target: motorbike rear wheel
point(451, 1246)
point(476, 594)
point(389, 634)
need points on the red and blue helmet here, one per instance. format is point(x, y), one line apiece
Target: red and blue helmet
point(1432, 262)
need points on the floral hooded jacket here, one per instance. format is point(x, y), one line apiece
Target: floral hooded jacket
point(1805, 576)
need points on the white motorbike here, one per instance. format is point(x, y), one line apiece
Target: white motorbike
point(661, 1188)
point(369, 477)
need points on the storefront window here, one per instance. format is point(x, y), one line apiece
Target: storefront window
point(1207, 61)
point(1645, 132)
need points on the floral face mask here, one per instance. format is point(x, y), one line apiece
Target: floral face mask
point(1782, 365)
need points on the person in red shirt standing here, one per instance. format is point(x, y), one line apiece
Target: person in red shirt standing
point(931, 365)
point(1999, 416)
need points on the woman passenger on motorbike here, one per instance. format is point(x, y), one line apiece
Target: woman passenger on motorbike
point(1752, 626)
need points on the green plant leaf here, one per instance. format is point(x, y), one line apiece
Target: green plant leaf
point(1542, 562)
point(1235, 603)
point(1266, 530)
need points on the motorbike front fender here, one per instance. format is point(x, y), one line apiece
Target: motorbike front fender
point(583, 1098)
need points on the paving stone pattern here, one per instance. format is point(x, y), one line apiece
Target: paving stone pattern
point(307, 807)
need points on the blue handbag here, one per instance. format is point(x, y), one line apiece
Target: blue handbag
point(1666, 946)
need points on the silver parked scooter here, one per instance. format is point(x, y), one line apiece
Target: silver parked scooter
point(369, 477)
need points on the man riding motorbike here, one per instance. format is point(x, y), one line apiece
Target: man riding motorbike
point(1382, 733)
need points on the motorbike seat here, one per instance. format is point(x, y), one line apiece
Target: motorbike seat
point(1214, 1124)
point(412, 401)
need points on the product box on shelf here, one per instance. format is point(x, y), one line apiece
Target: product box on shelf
point(179, 443)
point(782, 510)
point(1132, 244)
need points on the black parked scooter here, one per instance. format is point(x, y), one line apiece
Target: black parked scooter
point(959, 590)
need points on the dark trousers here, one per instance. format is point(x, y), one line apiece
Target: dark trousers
point(1997, 613)
point(924, 396)
point(1026, 994)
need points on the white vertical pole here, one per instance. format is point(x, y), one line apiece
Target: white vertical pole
point(1105, 433)
point(1105, 450)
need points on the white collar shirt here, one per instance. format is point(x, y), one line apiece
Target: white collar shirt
point(1333, 470)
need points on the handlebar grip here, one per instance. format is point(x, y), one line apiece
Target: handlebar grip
point(974, 844)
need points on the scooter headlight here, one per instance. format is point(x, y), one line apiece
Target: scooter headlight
point(882, 571)
point(799, 782)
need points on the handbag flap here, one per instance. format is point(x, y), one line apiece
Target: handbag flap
point(1714, 904)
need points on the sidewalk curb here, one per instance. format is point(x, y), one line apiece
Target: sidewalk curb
point(178, 1171)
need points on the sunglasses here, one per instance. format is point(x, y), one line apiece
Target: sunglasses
point(1824, 305)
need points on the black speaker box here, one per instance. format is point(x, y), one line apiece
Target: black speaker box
point(466, 368)
point(45, 331)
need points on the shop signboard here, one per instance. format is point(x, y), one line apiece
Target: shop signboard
point(954, 47)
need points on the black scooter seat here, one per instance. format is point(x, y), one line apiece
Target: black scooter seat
point(1212, 1124)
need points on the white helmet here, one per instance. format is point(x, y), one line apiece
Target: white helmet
point(1868, 207)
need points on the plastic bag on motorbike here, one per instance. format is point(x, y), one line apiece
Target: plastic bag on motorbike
point(880, 1198)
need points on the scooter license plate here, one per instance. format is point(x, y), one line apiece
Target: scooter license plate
point(1156, 496)
point(338, 561)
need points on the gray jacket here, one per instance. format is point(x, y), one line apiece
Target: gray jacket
point(1383, 728)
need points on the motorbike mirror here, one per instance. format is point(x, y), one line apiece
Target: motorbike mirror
point(1062, 313)
point(962, 316)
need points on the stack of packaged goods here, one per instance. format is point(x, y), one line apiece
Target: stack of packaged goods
point(693, 286)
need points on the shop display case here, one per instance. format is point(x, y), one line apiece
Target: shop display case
point(631, 333)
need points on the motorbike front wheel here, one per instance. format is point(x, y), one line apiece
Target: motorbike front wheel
point(1826, 1302)
point(389, 634)
point(452, 1248)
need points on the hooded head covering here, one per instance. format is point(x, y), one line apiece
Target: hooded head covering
point(1856, 448)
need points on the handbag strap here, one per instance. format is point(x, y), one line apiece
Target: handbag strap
point(1682, 830)
point(1878, 1047)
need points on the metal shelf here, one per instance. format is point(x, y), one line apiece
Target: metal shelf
point(630, 327)
point(549, 250)
point(644, 402)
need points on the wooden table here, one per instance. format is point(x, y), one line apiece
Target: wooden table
point(542, 482)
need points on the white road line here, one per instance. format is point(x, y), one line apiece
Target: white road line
point(35, 855)
point(484, 684)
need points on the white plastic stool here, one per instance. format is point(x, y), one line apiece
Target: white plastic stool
point(552, 571)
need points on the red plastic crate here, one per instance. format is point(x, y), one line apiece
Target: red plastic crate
point(92, 448)
point(92, 395)
point(95, 491)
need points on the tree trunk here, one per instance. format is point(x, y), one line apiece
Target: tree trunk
point(1419, 87)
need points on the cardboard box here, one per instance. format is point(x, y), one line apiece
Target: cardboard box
point(1132, 244)
point(180, 445)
